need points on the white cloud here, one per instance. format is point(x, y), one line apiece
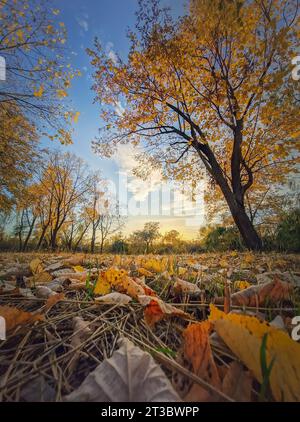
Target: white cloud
point(167, 198)
point(83, 21)
point(119, 109)
point(112, 55)
point(109, 48)
point(126, 159)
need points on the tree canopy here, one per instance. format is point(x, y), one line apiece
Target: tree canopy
point(214, 87)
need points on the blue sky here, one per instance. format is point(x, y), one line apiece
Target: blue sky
point(108, 20)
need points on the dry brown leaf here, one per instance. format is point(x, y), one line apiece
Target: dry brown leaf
point(147, 290)
point(197, 352)
point(75, 276)
point(115, 297)
point(81, 333)
point(52, 300)
point(237, 383)
point(122, 283)
point(14, 316)
point(227, 297)
point(128, 286)
point(273, 292)
point(131, 374)
point(74, 260)
point(43, 292)
point(182, 286)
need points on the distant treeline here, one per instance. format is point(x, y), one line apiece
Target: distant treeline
point(284, 237)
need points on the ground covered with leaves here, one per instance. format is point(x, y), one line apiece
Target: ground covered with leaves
point(211, 327)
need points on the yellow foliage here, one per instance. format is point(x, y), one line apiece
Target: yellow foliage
point(241, 284)
point(102, 286)
point(223, 263)
point(146, 273)
point(39, 92)
point(78, 269)
point(36, 266)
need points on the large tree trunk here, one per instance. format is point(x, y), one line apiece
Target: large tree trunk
point(235, 203)
point(245, 226)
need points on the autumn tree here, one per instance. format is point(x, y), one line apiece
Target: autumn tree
point(96, 205)
point(18, 154)
point(211, 90)
point(75, 229)
point(32, 42)
point(267, 200)
point(147, 235)
point(110, 222)
point(171, 237)
point(27, 211)
point(64, 183)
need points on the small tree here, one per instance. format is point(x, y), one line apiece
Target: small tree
point(147, 235)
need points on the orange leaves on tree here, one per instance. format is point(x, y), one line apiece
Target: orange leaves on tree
point(61, 93)
point(76, 116)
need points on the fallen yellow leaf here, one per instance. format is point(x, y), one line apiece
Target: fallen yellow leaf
point(102, 286)
point(78, 269)
point(36, 266)
point(241, 284)
point(243, 334)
